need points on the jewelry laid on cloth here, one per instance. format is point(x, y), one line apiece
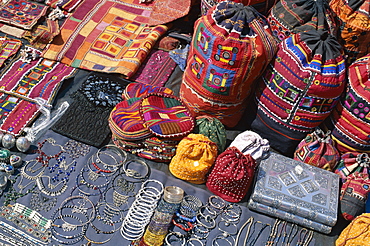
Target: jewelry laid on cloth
point(141, 210)
point(108, 213)
point(12, 195)
point(20, 235)
point(42, 156)
point(76, 149)
point(305, 237)
point(39, 202)
point(273, 233)
point(29, 220)
point(69, 207)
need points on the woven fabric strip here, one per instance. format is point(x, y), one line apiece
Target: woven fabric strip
point(21, 83)
point(98, 37)
point(156, 69)
point(9, 47)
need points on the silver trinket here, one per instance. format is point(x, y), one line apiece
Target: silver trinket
point(8, 141)
point(23, 144)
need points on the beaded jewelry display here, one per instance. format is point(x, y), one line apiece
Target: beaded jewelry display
point(12, 195)
point(39, 202)
point(42, 156)
point(29, 220)
point(20, 235)
point(76, 149)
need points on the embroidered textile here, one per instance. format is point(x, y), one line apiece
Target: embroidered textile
point(299, 89)
point(156, 69)
point(21, 13)
point(294, 16)
point(21, 83)
point(350, 119)
point(9, 47)
point(354, 32)
point(42, 35)
point(67, 5)
point(97, 37)
point(231, 48)
point(12, 30)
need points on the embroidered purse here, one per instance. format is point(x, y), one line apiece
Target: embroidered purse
point(232, 46)
point(293, 16)
point(318, 149)
point(213, 129)
point(195, 155)
point(299, 89)
point(232, 175)
point(354, 171)
point(354, 32)
point(350, 119)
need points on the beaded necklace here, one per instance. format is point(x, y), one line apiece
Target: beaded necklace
point(42, 156)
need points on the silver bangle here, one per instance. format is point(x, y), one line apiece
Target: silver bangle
point(211, 222)
point(131, 173)
point(177, 235)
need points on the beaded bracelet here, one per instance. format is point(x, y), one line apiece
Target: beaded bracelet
point(158, 228)
point(167, 207)
point(190, 205)
point(217, 202)
point(111, 235)
point(74, 241)
point(81, 179)
point(200, 231)
point(80, 190)
point(190, 241)
point(96, 172)
point(227, 225)
point(220, 237)
point(193, 219)
point(151, 238)
point(161, 217)
point(183, 225)
point(117, 199)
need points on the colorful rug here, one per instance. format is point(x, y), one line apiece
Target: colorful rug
point(21, 13)
point(21, 83)
point(96, 37)
point(156, 69)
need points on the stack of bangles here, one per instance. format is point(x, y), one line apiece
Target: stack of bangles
point(141, 210)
